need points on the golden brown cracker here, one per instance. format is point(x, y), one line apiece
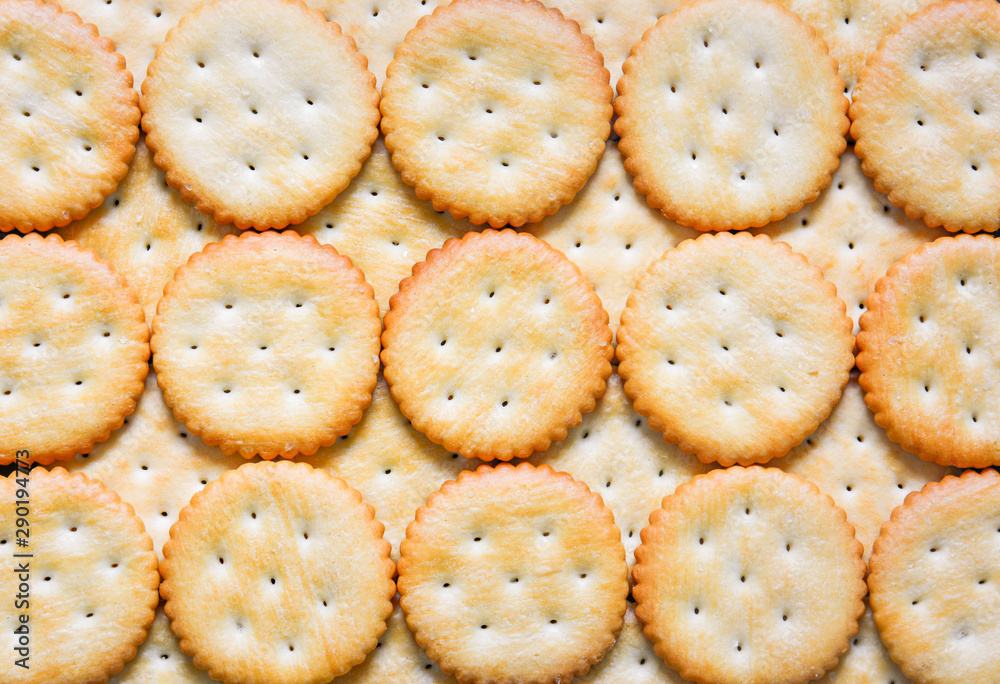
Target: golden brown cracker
point(70, 118)
point(734, 347)
point(927, 354)
point(513, 575)
point(496, 109)
point(496, 345)
point(267, 344)
point(276, 114)
point(749, 575)
point(277, 570)
point(712, 114)
point(73, 348)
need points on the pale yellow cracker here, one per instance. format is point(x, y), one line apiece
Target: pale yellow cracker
point(396, 658)
point(852, 233)
point(73, 349)
point(69, 118)
point(749, 575)
point(852, 29)
point(267, 344)
point(496, 109)
point(393, 466)
point(631, 659)
point(852, 460)
point(925, 116)
point(610, 233)
point(616, 454)
point(928, 354)
point(160, 660)
point(496, 345)
point(615, 26)
point(136, 27)
point(866, 661)
point(933, 581)
point(277, 571)
point(513, 575)
point(734, 347)
point(79, 576)
point(145, 230)
point(154, 463)
point(731, 114)
point(381, 225)
point(260, 112)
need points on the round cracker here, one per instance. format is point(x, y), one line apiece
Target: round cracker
point(86, 578)
point(496, 109)
point(267, 344)
point(513, 575)
point(933, 581)
point(277, 571)
point(731, 114)
point(70, 119)
point(749, 575)
point(259, 113)
point(73, 349)
point(734, 347)
point(496, 345)
point(927, 356)
point(925, 116)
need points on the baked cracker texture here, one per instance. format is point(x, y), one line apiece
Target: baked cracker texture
point(259, 111)
point(925, 116)
point(69, 120)
point(933, 581)
point(87, 577)
point(277, 571)
point(731, 114)
point(734, 347)
point(852, 460)
point(749, 575)
point(513, 575)
point(144, 230)
point(928, 357)
point(496, 109)
point(853, 233)
point(496, 345)
point(73, 349)
point(267, 344)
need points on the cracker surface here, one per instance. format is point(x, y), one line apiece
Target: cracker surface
point(924, 116)
point(749, 575)
point(70, 118)
point(731, 114)
point(90, 574)
point(513, 575)
point(734, 347)
point(277, 570)
point(927, 352)
point(267, 344)
point(496, 109)
point(933, 580)
point(496, 345)
point(73, 348)
point(259, 116)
